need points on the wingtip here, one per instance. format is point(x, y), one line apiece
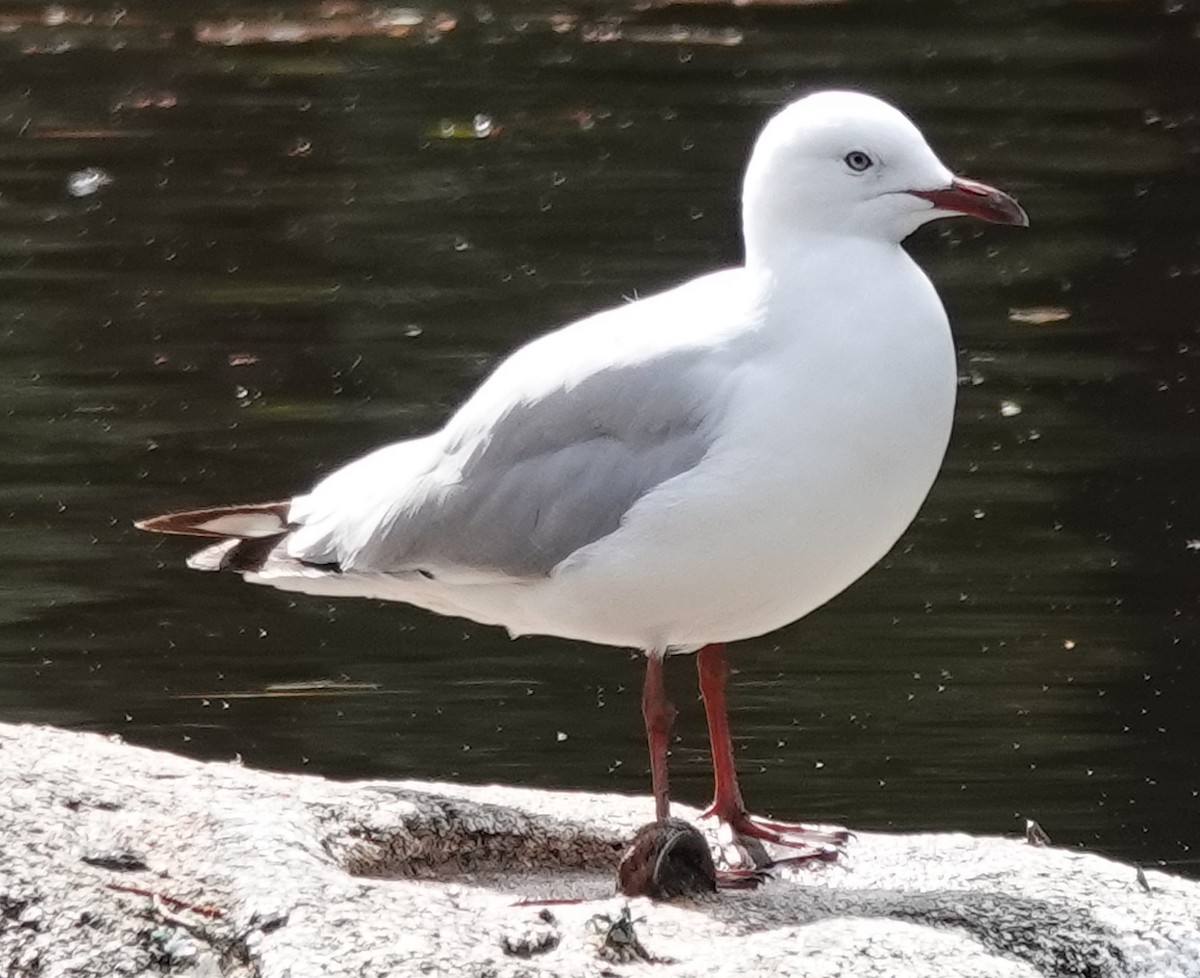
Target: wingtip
point(151, 524)
point(255, 520)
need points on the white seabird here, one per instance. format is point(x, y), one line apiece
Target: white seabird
point(697, 467)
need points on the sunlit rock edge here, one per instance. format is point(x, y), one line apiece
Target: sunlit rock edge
point(118, 860)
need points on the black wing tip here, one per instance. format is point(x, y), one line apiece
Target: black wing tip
point(164, 523)
point(191, 522)
point(249, 556)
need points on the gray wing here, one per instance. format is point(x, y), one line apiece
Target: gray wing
point(551, 474)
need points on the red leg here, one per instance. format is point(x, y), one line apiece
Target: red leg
point(727, 804)
point(713, 667)
point(659, 714)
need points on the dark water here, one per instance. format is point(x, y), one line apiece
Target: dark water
point(315, 231)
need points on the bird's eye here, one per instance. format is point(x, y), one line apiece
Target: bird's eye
point(858, 161)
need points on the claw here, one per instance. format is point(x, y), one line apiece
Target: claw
point(741, 878)
point(744, 834)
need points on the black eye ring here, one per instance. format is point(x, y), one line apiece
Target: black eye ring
point(858, 161)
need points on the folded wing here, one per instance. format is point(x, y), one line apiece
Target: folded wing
point(516, 494)
point(547, 456)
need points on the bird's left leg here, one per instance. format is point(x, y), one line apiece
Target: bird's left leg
point(808, 842)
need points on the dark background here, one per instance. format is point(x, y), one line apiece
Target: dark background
point(312, 228)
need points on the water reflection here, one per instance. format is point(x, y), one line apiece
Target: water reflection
point(310, 229)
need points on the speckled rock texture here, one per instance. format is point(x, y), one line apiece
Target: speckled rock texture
point(122, 861)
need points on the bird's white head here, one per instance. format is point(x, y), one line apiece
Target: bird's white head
point(849, 164)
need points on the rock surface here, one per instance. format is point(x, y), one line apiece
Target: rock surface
point(122, 861)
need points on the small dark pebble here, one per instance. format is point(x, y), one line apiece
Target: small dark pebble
point(121, 860)
point(74, 804)
point(619, 943)
point(532, 937)
point(268, 921)
point(1035, 835)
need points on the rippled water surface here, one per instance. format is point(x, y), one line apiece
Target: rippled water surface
point(240, 244)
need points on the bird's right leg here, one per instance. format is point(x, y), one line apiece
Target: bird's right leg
point(659, 714)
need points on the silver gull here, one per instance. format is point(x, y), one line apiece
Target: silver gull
point(693, 468)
